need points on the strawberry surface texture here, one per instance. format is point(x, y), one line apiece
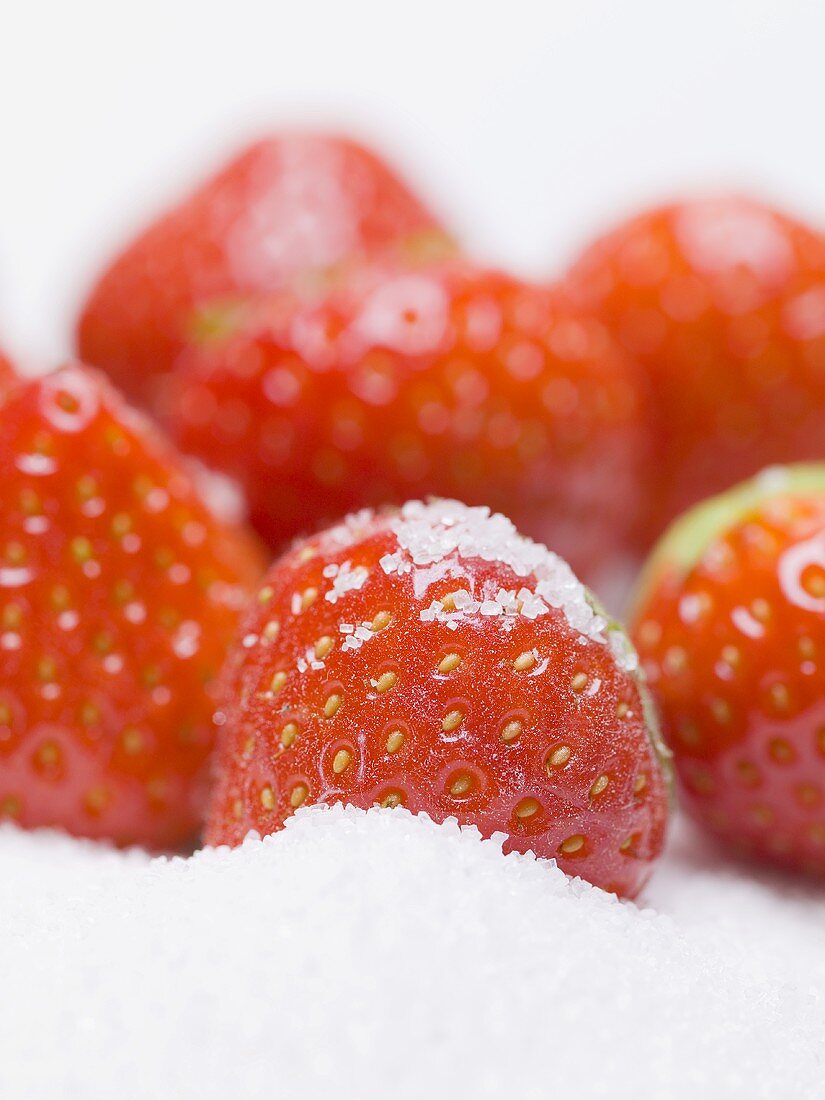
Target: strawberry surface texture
point(119, 591)
point(286, 211)
point(730, 626)
point(433, 658)
point(722, 301)
point(404, 382)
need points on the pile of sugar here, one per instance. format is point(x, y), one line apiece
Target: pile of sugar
point(376, 954)
point(434, 532)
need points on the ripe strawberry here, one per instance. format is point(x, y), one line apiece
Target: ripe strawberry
point(118, 592)
point(730, 627)
point(723, 302)
point(400, 383)
point(6, 370)
point(288, 208)
point(435, 659)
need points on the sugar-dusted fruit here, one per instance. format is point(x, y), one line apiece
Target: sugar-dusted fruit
point(286, 210)
point(400, 383)
point(730, 627)
point(723, 302)
point(119, 591)
point(435, 659)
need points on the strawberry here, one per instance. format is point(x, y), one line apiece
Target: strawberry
point(433, 658)
point(119, 591)
point(723, 302)
point(401, 383)
point(288, 208)
point(6, 369)
point(730, 625)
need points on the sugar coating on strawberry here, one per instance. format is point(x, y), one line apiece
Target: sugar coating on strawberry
point(730, 626)
point(435, 659)
point(119, 591)
point(723, 302)
point(286, 210)
point(454, 380)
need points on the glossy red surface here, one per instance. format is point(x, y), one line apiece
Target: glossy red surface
point(370, 672)
point(119, 591)
point(734, 649)
point(449, 380)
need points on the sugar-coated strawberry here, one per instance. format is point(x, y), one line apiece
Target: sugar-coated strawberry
point(284, 211)
point(401, 383)
point(730, 627)
point(723, 302)
point(434, 658)
point(119, 592)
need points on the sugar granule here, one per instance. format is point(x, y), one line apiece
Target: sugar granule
point(365, 954)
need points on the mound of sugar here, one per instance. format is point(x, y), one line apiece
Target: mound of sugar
point(372, 954)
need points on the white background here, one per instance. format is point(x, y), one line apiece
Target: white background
point(529, 125)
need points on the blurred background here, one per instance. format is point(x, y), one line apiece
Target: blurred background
point(528, 125)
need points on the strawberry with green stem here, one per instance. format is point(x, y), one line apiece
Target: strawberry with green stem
point(730, 627)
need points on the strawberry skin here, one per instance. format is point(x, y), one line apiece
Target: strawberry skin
point(449, 380)
point(433, 658)
point(288, 208)
point(723, 303)
point(730, 627)
point(119, 591)
point(6, 369)
point(8, 374)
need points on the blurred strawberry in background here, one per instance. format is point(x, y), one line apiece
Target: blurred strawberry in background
point(723, 303)
point(284, 212)
point(403, 382)
point(120, 591)
point(6, 370)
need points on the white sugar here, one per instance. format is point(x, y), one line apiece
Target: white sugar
point(356, 955)
point(491, 607)
point(623, 650)
point(346, 579)
point(355, 636)
point(443, 529)
point(395, 563)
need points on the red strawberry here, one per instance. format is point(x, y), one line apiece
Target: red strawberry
point(723, 301)
point(6, 369)
point(453, 381)
point(118, 592)
point(730, 627)
point(435, 659)
point(289, 207)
